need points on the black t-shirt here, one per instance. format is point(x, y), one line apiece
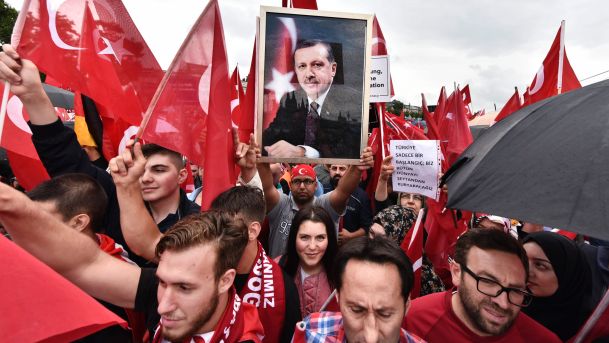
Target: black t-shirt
point(146, 300)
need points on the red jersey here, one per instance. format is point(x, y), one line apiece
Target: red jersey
point(432, 318)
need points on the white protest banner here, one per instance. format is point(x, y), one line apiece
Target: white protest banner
point(417, 167)
point(380, 84)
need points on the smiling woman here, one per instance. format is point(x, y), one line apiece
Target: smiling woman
point(310, 252)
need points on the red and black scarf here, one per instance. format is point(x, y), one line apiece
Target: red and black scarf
point(265, 290)
point(236, 324)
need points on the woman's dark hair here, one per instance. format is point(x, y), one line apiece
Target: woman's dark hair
point(315, 214)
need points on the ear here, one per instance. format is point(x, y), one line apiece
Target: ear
point(455, 272)
point(226, 281)
point(253, 230)
point(79, 222)
point(182, 175)
point(333, 68)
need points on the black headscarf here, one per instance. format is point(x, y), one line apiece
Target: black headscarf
point(563, 312)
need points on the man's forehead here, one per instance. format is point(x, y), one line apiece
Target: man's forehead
point(188, 265)
point(318, 49)
point(160, 160)
point(502, 266)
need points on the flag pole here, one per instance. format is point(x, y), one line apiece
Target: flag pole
point(561, 57)
point(416, 227)
point(381, 115)
point(15, 38)
point(327, 302)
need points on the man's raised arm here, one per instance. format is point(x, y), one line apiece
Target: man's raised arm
point(348, 183)
point(139, 229)
point(69, 252)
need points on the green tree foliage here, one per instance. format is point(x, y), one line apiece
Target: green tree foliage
point(8, 16)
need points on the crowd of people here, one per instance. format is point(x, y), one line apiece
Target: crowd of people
point(292, 253)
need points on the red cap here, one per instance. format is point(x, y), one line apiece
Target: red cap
point(303, 170)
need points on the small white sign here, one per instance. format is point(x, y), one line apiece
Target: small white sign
point(380, 81)
point(417, 166)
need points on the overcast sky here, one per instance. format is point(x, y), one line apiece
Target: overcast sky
point(492, 45)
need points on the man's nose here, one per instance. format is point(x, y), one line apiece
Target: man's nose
point(371, 333)
point(146, 177)
point(166, 303)
point(502, 300)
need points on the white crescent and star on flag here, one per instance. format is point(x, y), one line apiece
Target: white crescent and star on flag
point(281, 83)
point(104, 46)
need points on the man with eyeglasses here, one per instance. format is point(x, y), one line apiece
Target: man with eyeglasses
point(489, 271)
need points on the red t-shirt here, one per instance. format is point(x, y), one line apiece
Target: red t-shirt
point(432, 318)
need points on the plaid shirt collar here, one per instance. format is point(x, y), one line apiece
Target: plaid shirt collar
point(327, 327)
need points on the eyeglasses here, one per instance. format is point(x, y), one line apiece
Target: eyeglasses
point(493, 289)
point(299, 182)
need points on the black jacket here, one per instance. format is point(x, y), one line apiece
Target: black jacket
point(61, 153)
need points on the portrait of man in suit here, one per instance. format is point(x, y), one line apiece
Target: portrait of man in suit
point(319, 119)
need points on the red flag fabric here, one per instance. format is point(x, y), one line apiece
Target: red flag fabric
point(93, 47)
point(433, 132)
point(440, 111)
point(248, 107)
point(597, 325)
point(189, 183)
point(546, 82)
point(413, 247)
point(41, 305)
point(306, 4)
point(281, 73)
point(511, 106)
point(443, 229)
point(237, 97)
point(191, 111)
point(17, 140)
point(454, 128)
point(379, 45)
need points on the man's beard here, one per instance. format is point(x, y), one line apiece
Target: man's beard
point(334, 180)
point(201, 319)
point(473, 311)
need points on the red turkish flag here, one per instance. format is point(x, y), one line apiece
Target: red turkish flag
point(433, 132)
point(443, 229)
point(189, 183)
point(467, 101)
point(248, 107)
point(454, 129)
point(597, 325)
point(191, 110)
point(413, 247)
point(440, 111)
point(547, 82)
point(306, 4)
point(95, 48)
point(281, 73)
point(43, 306)
point(17, 140)
point(511, 106)
point(379, 45)
point(237, 97)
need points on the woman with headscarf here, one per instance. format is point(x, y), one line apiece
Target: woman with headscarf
point(560, 279)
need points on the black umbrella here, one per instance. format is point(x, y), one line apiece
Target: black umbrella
point(59, 97)
point(547, 164)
